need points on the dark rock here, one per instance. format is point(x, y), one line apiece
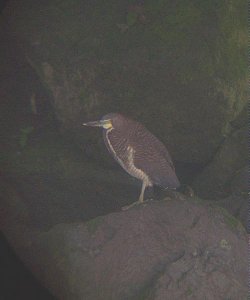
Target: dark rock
point(170, 249)
point(228, 163)
point(238, 206)
point(181, 72)
point(239, 182)
point(241, 120)
point(16, 281)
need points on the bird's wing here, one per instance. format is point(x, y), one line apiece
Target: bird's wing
point(154, 160)
point(164, 153)
point(158, 169)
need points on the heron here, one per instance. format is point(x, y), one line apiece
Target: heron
point(138, 151)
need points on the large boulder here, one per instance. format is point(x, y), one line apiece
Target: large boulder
point(237, 205)
point(227, 172)
point(237, 200)
point(171, 249)
point(180, 68)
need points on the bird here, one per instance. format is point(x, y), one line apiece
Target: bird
point(138, 151)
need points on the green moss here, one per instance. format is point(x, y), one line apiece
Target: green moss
point(146, 293)
point(230, 220)
point(189, 291)
point(215, 31)
point(187, 54)
point(207, 30)
point(24, 135)
point(93, 224)
point(48, 154)
point(196, 38)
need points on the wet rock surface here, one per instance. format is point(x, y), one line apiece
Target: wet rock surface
point(175, 248)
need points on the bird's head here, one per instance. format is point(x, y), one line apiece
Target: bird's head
point(109, 121)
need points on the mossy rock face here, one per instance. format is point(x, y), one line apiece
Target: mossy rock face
point(180, 68)
point(92, 225)
point(219, 178)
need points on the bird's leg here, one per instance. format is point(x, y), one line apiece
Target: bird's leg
point(140, 198)
point(150, 194)
point(142, 192)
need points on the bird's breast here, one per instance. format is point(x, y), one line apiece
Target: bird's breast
point(124, 154)
point(133, 170)
point(116, 146)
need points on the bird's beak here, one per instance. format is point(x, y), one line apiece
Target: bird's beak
point(93, 124)
point(102, 123)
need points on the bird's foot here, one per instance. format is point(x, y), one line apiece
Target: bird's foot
point(137, 203)
point(131, 205)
